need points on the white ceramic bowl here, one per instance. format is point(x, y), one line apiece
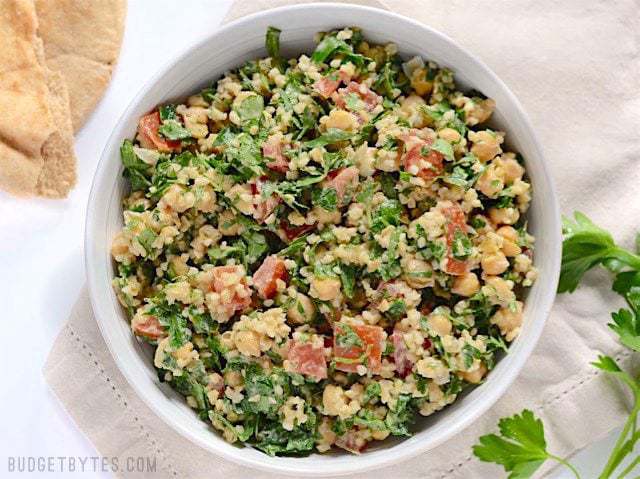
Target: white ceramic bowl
point(227, 48)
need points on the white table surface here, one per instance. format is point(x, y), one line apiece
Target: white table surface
point(41, 248)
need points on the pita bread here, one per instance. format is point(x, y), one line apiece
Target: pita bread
point(82, 41)
point(58, 173)
point(36, 143)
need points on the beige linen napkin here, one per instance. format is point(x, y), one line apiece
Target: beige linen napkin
point(575, 67)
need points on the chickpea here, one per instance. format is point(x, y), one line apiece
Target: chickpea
point(342, 120)
point(120, 245)
point(486, 144)
point(466, 285)
point(197, 100)
point(512, 170)
point(332, 399)
point(195, 120)
point(325, 289)
point(248, 343)
point(417, 273)
point(490, 182)
point(495, 263)
point(302, 309)
point(474, 377)
point(440, 324)
point(479, 111)
point(509, 233)
point(232, 378)
point(506, 216)
point(510, 241)
point(450, 135)
point(419, 82)
point(509, 321)
point(379, 435)
point(498, 290)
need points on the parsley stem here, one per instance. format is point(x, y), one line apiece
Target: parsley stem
point(566, 464)
point(619, 451)
point(632, 260)
point(630, 467)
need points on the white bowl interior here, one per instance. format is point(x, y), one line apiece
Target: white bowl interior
point(229, 48)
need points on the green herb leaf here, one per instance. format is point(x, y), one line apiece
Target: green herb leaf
point(251, 108)
point(388, 213)
point(330, 45)
point(333, 135)
point(346, 337)
point(272, 42)
point(146, 238)
point(174, 130)
point(461, 248)
point(626, 325)
point(398, 418)
point(520, 448)
point(327, 198)
point(443, 147)
point(348, 279)
point(586, 245)
point(167, 112)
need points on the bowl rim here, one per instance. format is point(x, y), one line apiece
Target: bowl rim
point(359, 463)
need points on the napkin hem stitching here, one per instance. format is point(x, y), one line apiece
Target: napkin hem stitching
point(122, 399)
point(584, 379)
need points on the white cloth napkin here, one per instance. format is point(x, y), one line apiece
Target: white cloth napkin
point(575, 67)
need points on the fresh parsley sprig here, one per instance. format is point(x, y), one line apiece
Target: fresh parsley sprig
point(586, 245)
point(521, 447)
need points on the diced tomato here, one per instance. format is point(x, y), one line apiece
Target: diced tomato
point(352, 442)
point(150, 138)
point(305, 359)
point(455, 223)
point(147, 326)
point(401, 355)
point(343, 180)
point(273, 149)
point(326, 86)
point(263, 206)
point(370, 98)
point(420, 160)
point(225, 280)
point(266, 276)
point(217, 384)
point(292, 232)
point(368, 353)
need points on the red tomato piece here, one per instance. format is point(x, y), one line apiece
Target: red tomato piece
point(455, 223)
point(150, 138)
point(147, 326)
point(225, 279)
point(401, 355)
point(421, 161)
point(292, 232)
point(326, 86)
point(343, 180)
point(273, 149)
point(352, 442)
point(266, 276)
point(305, 359)
point(367, 353)
point(370, 98)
